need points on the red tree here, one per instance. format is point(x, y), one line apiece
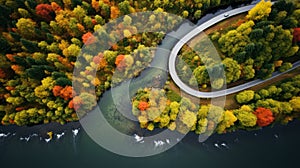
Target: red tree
point(75, 103)
point(120, 62)
point(66, 93)
point(143, 106)
point(2, 74)
point(88, 38)
point(264, 116)
point(296, 34)
point(45, 11)
point(56, 90)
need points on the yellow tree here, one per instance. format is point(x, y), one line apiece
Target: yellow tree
point(228, 120)
point(295, 102)
point(260, 11)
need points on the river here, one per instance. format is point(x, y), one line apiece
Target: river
point(269, 147)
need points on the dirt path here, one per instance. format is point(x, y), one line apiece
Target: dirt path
point(224, 24)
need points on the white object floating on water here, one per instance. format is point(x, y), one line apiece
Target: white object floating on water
point(168, 141)
point(224, 145)
point(58, 136)
point(159, 143)
point(75, 132)
point(4, 135)
point(34, 135)
point(27, 138)
point(47, 139)
point(276, 136)
point(138, 138)
point(217, 145)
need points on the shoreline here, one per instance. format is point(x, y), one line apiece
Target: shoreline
point(215, 139)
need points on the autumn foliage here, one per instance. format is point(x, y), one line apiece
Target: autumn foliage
point(114, 12)
point(45, 11)
point(264, 116)
point(55, 6)
point(75, 103)
point(120, 62)
point(143, 106)
point(100, 61)
point(2, 73)
point(64, 92)
point(296, 34)
point(88, 38)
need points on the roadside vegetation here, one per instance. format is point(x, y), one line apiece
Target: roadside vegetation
point(163, 108)
point(266, 40)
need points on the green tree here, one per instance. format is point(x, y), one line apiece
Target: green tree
point(232, 70)
point(245, 118)
point(245, 96)
point(201, 75)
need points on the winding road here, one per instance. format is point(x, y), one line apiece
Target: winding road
point(213, 94)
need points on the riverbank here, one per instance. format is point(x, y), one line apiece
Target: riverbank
point(215, 142)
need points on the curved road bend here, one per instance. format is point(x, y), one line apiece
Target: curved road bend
point(195, 32)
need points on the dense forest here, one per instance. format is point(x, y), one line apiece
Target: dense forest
point(264, 41)
point(40, 41)
point(163, 108)
point(267, 39)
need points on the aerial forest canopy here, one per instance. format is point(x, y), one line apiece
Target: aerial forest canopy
point(264, 41)
point(41, 39)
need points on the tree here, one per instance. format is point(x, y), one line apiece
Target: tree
point(228, 119)
point(26, 28)
point(232, 70)
point(197, 14)
point(114, 12)
point(215, 114)
point(124, 7)
point(256, 33)
point(245, 117)
point(30, 46)
point(72, 51)
point(174, 110)
point(295, 103)
point(201, 126)
point(264, 116)
point(143, 105)
point(245, 96)
point(296, 35)
point(45, 11)
point(188, 118)
point(234, 41)
point(88, 101)
point(4, 45)
point(285, 66)
point(260, 11)
point(248, 72)
point(88, 38)
point(201, 75)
